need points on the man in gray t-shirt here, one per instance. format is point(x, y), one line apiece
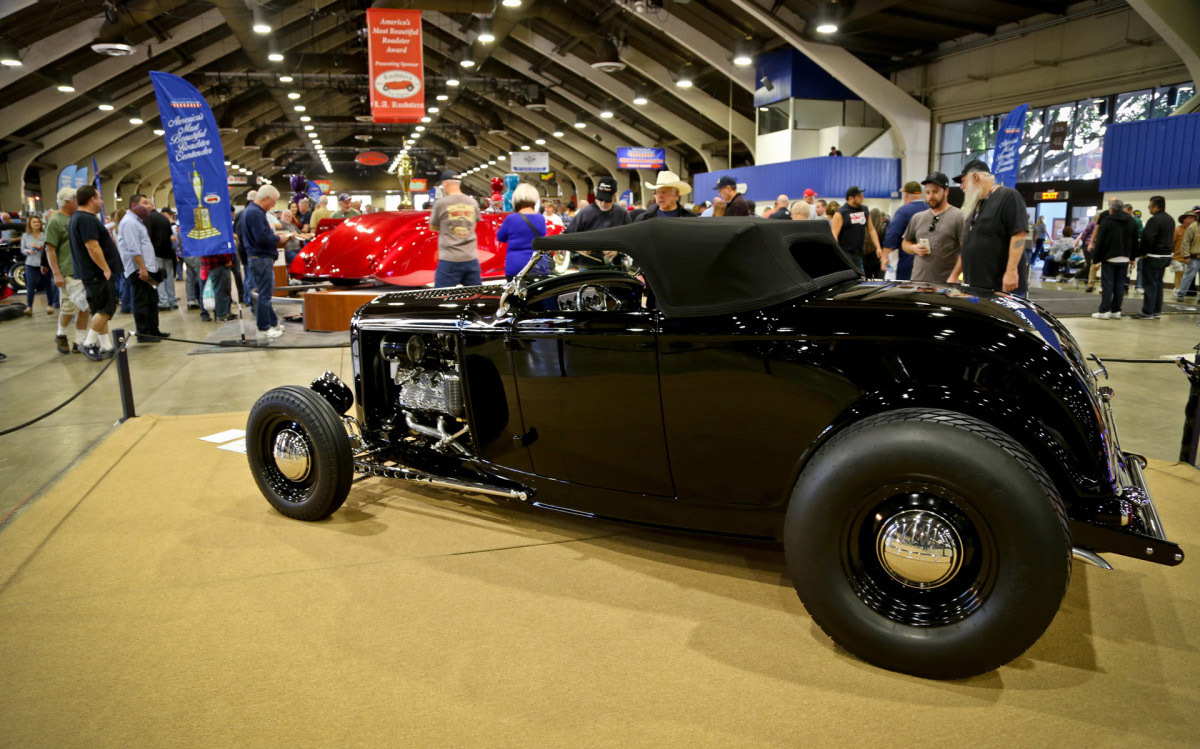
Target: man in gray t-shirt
point(454, 217)
point(934, 236)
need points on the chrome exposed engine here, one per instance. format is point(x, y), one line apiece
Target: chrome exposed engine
point(430, 400)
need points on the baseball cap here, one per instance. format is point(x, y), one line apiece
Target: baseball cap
point(448, 175)
point(937, 178)
point(851, 192)
point(726, 181)
point(912, 187)
point(606, 189)
point(974, 165)
point(343, 197)
point(811, 192)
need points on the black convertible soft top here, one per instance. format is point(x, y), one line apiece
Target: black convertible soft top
point(719, 266)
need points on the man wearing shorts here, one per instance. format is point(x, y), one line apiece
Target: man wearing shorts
point(58, 253)
point(98, 264)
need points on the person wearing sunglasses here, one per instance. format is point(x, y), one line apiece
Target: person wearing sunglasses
point(934, 236)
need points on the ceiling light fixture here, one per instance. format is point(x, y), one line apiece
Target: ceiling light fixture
point(308, 127)
point(685, 77)
point(419, 128)
point(451, 81)
point(467, 61)
point(275, 57)
point(285, 79)
point(580, 123)
point(492, 162)
point(511, 3)
point(826, 22)
point(65, 85)
point(524, 147)
point(540, 141)
point(135, 119)
point(260, 22)
point(293, 95)
point(105, 104)
point(640, 97)
point(9, 55)
point(558, 133)
point(485, 30)
point(299, 108)
point(305, 118)
point(501, 157)
point(159, 131)
point(426, 119)
point(606, 111)
point(743, 54)
point(113, 49)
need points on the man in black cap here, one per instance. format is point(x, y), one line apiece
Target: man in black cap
point(454, 217)
point(850, 226)
point(993, 248)
point(601, 214)
point(933, 236)
point(731, 192)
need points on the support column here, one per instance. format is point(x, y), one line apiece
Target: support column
point(910, 120)
point(1175, 22)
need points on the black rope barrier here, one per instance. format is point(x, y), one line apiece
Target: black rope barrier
point(249, 345)
point(78, 393)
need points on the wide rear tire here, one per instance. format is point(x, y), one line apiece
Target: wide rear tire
point(299, 453)
point(928, 542)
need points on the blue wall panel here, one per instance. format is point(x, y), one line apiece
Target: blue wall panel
point(828, 175)
point(794, 76)
point(1158, 154)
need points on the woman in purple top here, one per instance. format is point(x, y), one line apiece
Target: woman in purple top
point(519, 230)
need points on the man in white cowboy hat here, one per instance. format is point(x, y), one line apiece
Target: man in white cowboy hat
point(668, 189)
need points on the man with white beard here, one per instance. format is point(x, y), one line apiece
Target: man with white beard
point(993, 247)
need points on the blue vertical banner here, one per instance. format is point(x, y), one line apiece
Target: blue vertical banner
point(197, 162)
point(314, 194)
point(96, 184)
point(66, 178)
point(81, 178)
point(1007, 162)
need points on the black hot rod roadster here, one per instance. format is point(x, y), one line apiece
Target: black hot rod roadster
point(931, 457)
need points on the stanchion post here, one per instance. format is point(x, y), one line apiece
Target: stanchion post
point(1190, 443)
point(124, 381)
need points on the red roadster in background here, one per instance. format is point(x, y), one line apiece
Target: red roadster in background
point(395, 247)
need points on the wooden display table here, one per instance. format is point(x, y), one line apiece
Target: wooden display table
point(331, 310)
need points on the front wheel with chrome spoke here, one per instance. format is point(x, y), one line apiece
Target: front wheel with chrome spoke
point(928, 542)
point(299, 453)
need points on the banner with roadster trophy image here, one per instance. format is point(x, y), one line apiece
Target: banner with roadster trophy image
point(197, 162)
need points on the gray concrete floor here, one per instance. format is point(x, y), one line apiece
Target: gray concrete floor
point(1148, 405)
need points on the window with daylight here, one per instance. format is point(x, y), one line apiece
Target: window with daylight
point(1062, 141)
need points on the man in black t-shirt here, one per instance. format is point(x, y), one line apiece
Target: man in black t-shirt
point(98, 265)
point(851, 225)
point(995, 225)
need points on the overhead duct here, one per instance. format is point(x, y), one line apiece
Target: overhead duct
point(113, 39)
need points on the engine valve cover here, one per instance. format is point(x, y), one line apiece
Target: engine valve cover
point(433, 391)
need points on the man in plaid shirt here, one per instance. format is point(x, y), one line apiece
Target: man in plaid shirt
point(218, 269)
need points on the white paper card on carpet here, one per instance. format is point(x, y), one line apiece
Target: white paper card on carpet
point(238, 446)
point(227, 435)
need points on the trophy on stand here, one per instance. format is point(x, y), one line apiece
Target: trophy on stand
point(203, 228)
point(405, 173)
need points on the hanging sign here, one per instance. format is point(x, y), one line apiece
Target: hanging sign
point(1052, 195)
point(314, 192)
point(325, 185)
point(1007, 162)
point(396, 65)
point(371, 158)
point(197, 163)
point(1058, 136)
point(81, 177)
point(418, 184)
point(630, 157)
point(235, 179)
point(530, 161)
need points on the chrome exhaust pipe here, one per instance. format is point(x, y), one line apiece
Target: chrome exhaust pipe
point(1090, 557)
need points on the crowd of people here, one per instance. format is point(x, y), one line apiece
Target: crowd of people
point(89, 270)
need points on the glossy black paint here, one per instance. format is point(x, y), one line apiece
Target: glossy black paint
point(705, 423)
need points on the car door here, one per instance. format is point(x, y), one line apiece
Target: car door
point(587, 382)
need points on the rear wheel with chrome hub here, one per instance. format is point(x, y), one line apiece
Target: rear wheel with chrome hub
point(928, 542)
point(299, 453)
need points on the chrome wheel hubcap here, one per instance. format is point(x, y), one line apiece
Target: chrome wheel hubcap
point(291, 454)
point(919, 548)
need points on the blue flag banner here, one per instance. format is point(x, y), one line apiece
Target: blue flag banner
point(314, 194)
point(81, 178)
point(96, 184)
point(197, 162)
point(66, 178)
point(1007, 161)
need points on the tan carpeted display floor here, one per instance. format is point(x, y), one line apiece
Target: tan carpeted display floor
point(153, 598)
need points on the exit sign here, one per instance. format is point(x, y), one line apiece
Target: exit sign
point(1052, 195)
